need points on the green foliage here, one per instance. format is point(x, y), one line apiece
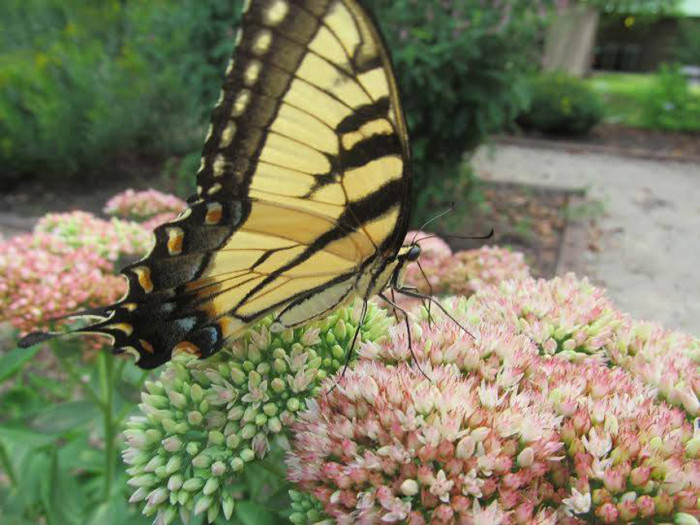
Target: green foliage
point(461, 69)
point(57, 437)
point(687, 47)
point(82, 83)
point(561, 104)
point(623, 95)
point(643, 7)
point(670, 104)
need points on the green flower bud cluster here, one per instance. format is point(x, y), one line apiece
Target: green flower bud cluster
point(203, 420)
point(306, 510)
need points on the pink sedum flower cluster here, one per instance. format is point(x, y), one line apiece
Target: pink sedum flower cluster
point(469, 271)
point(667, 360)
point(572, 318)
point(564, 315)
point(41, 277)
point(464, 272)
point(499, 433)
point(110, 239)
point(143, 205)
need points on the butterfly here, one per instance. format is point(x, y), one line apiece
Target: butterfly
point(303, 194)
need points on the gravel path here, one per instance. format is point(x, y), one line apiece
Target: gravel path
point(650, 244)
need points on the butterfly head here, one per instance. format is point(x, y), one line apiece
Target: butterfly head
point(412, 252)
point(407, 254)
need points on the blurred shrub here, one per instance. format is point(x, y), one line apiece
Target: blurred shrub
point(82, 82)
point(687, 46)
point(461, 69)
point(561, 104)
point(670, 104)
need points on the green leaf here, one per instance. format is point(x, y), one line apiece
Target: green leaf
point(16, 437)
point(20, 401)
point(61, 495)
point(251, 513)
point(65, 417)
point(116, 511)
point(13, 361)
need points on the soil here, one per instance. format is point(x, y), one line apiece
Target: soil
point(527, 219)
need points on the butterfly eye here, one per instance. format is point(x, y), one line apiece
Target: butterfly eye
point(413, 253)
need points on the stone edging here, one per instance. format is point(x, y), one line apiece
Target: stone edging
point(578, 147)
point(573, 239)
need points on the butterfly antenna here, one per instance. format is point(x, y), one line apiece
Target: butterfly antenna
point(348, 356)
point(470, 237)
point(408, 333)
point(438, 216)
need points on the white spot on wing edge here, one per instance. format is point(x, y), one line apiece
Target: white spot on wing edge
point(241, 102)
point(131, 351)
point(252, 72)
point(276, 12)
point(227, 135)
point(218, 167)
point(262, 42)
point(215, 188)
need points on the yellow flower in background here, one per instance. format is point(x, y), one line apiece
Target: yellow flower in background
point(566, 105)
point(41, 60)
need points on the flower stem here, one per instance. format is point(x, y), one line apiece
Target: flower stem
point(106, 369)
point(76, 380)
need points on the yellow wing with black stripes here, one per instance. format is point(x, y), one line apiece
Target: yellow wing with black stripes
point(304, 184)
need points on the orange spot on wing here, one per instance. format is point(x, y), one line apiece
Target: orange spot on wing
point(143, 273)
point(185, 347)
point(214, 213)
point(175, 236)
point(229, 326)
point(148, 347)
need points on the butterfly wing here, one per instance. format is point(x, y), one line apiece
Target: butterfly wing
point(304, 182)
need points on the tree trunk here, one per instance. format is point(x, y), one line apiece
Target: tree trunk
point(570, 40)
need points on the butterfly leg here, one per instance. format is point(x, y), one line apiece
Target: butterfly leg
point(408, 330)
point(430, 292)
point(393, 308)
point(418, 295)
point(348, 356)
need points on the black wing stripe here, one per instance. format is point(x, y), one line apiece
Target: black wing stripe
point(371, 207)
point(364, 114)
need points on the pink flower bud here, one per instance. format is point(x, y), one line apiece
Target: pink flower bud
point(628, 510)
point(614, 480)
point(646, 506)
point(444, 513)
point(640, 476)
point(607, 513)
point(663, 503)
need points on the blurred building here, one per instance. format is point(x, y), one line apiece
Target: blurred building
point(583, 38)
point(627, 42)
